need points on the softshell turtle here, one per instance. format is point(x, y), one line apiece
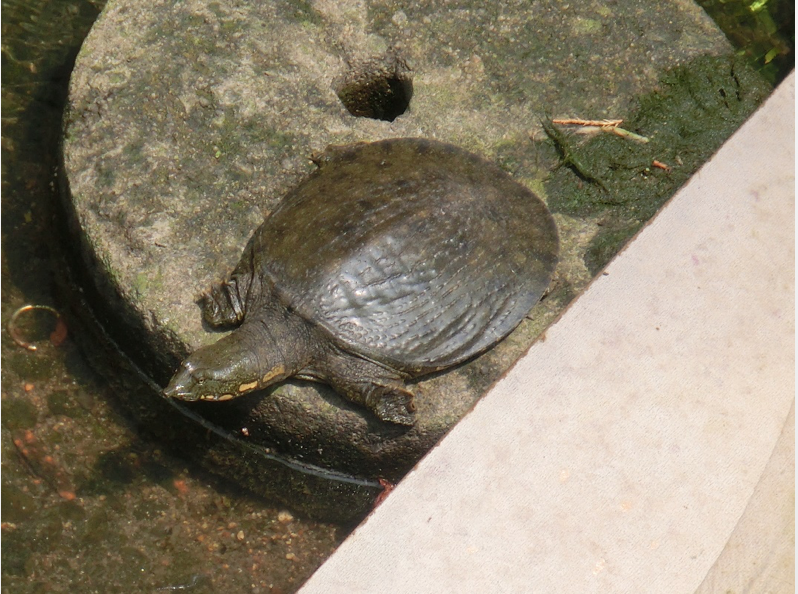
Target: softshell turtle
point(393, 260)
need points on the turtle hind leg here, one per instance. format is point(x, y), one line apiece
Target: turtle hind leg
point(380, 390)
point(391, 403)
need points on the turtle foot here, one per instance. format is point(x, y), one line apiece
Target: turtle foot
point(221, 306)
point(394, 405)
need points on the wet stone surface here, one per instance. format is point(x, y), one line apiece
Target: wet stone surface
point(188, 122)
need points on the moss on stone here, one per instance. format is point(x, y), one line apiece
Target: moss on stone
point(694, 108)
point(18, 413)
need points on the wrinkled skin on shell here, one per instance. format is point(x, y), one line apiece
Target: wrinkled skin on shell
point(392, 260)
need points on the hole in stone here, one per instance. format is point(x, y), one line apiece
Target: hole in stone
point(379, 89)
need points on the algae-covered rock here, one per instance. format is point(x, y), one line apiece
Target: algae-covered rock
point(622, 180)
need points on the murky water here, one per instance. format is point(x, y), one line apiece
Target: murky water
point(89, 502)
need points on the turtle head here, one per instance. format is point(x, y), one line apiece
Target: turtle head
point(193, 382)
point(224, 370)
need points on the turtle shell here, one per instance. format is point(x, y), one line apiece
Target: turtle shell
point(409, 252)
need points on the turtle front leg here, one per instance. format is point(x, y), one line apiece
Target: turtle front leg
point(226, 303)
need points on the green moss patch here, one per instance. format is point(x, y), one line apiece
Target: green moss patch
point(621, 182)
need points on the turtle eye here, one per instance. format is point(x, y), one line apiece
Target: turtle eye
point(201, 375)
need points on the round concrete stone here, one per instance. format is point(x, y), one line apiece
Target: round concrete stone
point(188, 121)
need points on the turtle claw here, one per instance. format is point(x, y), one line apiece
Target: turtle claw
point(395, 405)
point(221, 306)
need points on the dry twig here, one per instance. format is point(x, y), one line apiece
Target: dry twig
point(612, 126)
point(661, 165)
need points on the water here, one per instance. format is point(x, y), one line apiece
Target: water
point(89, 502)
point(761, 30)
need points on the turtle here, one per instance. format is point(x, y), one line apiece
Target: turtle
point(392, 260)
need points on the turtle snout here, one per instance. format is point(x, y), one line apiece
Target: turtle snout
point(182, 385)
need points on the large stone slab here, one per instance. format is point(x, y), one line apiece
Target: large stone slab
point(189, 120)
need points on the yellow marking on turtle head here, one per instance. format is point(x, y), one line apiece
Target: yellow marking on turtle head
point(248, 387)
point(226, 397)
point(276, 371)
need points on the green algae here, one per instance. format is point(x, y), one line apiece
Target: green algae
point(61, 402)
point(19, 413)
point(762, 30)
point(620, 182)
